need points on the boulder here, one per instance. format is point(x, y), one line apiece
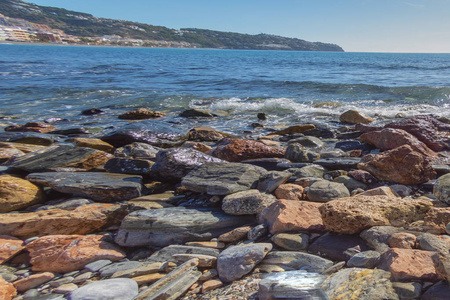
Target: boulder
point(366, 259)
point(440, 244)
point(167, 254)
point(236, 150)
point(137, 151)
point(293, 260)
point(401, 165)
point(205, 134)
point(298, 153)
point(350, 183)
point(101, 187)
point(246, 202)
point(31, 127)
point(408, 290)
point(222, 178)
point(289, 215)
point(442, 189)
point(25, 148)
point(17, 193)
point(377, 237)
point(141, 114)
point(31, 138)
point(437, 219)
point(9, 246)
point(177, 225)
point(7, 290)
point(270, 181)
point(67, 253)
point(289, 192)
point(355, 117)
point(403, 240)
point(324, 191)
point(354, 214)
point(129, 166)
point(119, 288)
point(439, 291)
point(92, 143)
point(337, 247)
point(195, 113)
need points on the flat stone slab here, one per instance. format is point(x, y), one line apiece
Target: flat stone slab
point(293, 260)
point(32, 138)
point(339, 163)
point(166, 226)
point(119, 288)
point(102, 187)
point(167, 253)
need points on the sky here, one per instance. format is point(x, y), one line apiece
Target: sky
point(355, 25)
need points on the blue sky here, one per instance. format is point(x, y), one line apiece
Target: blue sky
point(355, 25)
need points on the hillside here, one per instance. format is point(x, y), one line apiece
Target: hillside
point(85, 25)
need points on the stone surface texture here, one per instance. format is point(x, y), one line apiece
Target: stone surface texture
point(120, 288)
point(234, 150)
point(7, 290)
point(324, 191)
point(17, 193)
point(355, 117)
point(246, 202)
point(9, 246)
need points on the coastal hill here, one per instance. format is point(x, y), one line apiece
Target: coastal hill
point(88, 28)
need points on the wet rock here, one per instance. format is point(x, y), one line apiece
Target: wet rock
point(33, 281)
point(246, 202)
point(289, 192)
point(293, 260)
point(92, 143)
point(167, 253)
point(168, 226)
point(363, 176)
point(350, 183)
point(141, 114)
point(294, 129)
point(31, 138)
point(354, 214)
point(402, 240)
point(7, 290)
point(222, 178)
point(401, 165)
point(270, 181)
point(366, 259)
point(195, 113)
point(308, 142)
point(155, 133)
point(176, 163)
point(289, 215)
point(32, 127)
point(235, 235)
point(101, 187)
point(67, 253)
point(129, 166)
point(66, 204)
point(333, 153)
point(17, 193)
point(336, 247)
point(437, 219)
point(442, 189)
point(324, 191)
point(91, 111)
point(291, 241)
point(237, 261)
point(355, 117)
point(120, 288)
point(340, 163)
point(9, 154)
point(83, 220)
point(361, 284)
point(234, 150)
point(137, 151)
point(205, 134)
point(9, 246)
point(298, 153)
point(308, 171)
point(439, 291)
point(53, 158)
point(352, 146)
point(270, 164)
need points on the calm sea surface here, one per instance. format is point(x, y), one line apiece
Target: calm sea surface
point(40, 82)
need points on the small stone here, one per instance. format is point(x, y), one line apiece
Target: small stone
point(208, 275)
point(141, 114)
point(402, 240)
point(257, 232)
point(97, 265)
point(91, 111)
point(215, 245)
point(109, 270)
point(291, 241)
point(295, 260)
point(205, 134)
point(9, 247)
point(211, 285)
point(236, 150)
point(33, 281)
point(289, 192)
point(297, 153)
point(270, 181)
point(235, 235)
point(31, 127)
point(65, 288)
point(92, 143)
point(366, 259)
point(61, 281)
point(324, 191)
point(82, 278)
point(294, 129)
point(119, 288)
point(407, 290)
point(246, 202)
point(204, 261)
point(148, 278)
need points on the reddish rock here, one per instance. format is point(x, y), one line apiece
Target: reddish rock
point(83, 220)
point(363, 176)
point(32, 127)
point(141, 114)
point(402, 240)
point(409, 265)
point(354, 214)
point(289, 192)
point(205, 134)
point(429, 130)
point(17, 193)
point(401, 165)
point(389, 138)
point(436, 220)
point(33, 281)
point(67, 253)
point(355, 117)
point(7, 290)
point(9, 246)
point(289, 215)
point(234, 150)
point(211, 285)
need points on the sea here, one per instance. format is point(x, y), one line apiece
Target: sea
point(44, 82)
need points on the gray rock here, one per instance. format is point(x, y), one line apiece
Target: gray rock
point(407, 290)
point(110, 269)
point(441, 245)
point(350, 183)
point(297, 153)
point(292, 260)
point(377, 237)
point(335, 246)
point(447, 228)
point(271, 180)
point(257, 232)
point(237, 261)
point(137, 151)
point(339, 163)
point(167, 253)
point(97, 265)
point(314, 171)
point(442, 189)
point(222, 178)
point(439, 291)
point(61, 281)
point(119, 288)
point(270, 164)
point(291, 241)
point(306, 181)
point(366, 259)
point(174, 164)
point(162, 227)
point(128, 166)
point(246, 202)
point(33, 138)
point(401, 190)
point(9, 277)
point(68, 204)
point(101, 187)
point(324, 191)
point(308, 142)
point(334, 153)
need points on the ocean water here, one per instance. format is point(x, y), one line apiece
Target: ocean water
point(40, 82)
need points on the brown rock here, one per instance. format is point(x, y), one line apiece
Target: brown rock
point(7, 290)
point(354, 214)
point(211, 285)
point(205, 134)
point(9, 153)
point(9, 246)
point(402, 240)
point(234, 150)
point(32, 127)
point(93, 144)
point(429, 130)
point(235, 235)
point(215, 245)
point(379, 191)
point(355, 117)
point(141, 114)
point(289, 215)
point(409, 265)
point(17, 193)
point(83, 220)
point(436, 219)
point(289, 192)
point(364, 128)
point(197, 146)
point(67, 253)
point(148, 278)
point(401, 165)
point(33, 281)
point(363, 176)
point(389, 138)
point(25, 148)
point(294, 129)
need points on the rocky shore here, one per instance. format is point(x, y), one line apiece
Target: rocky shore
point(151, 211)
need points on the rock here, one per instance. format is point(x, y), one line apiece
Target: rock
point(409, 264)
point(211, 244)
point(339, 163)
point(246, 202)
point(141, 114)
point(439, 291)
point(355, 117)
point(145, 269)
point(437, 219)
point(402, 240)
point(308, 142)
point(197, 146)
point(292, 260)
point(83, 220)
point(293, 129)
point(291, 241)
point(65, 288)
point(32, 138)
point(363, 176)
point(9, 246)
point(350, 183)
point(337, 247)
point(97, 265)
point(407, 290)
point(120, 288)
point(101, 187)
point(66, 204)
point(323, 191)
point(333, 153)
point(16, 194)
point(129, 166)
point(167, 253)
point(306, 182)
point(234, 150)
point(155, 133)
point(288, 215)
point(367, 259)
point(168, 226)
point(308, 171)
point(291, 285)
point(93, 144)
point(441, 259)
point(377, 236)
point(33, 281)
point(9, 154)
point(137, 151)
point(235, 235)
point(354, 214)
point(113, 268)
point(298, 153)
point(31, 127)
point(361, 284)
point(52, 158)
point(289, 192)
point(389, 138)
point(148, 279)
point(194, 113)
point(237, 261)
point(204, 261)
point(257, 232)
point(7, 290)
point(205, 134)
point(427, 129)
point(270, 164)
point(270, 181)
point(211, 285)
point(442, 189)
point(208, 275)
point(379, 191)
point(91, 111)
point(174, 164)
point(222, 178)
point(67, 253)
